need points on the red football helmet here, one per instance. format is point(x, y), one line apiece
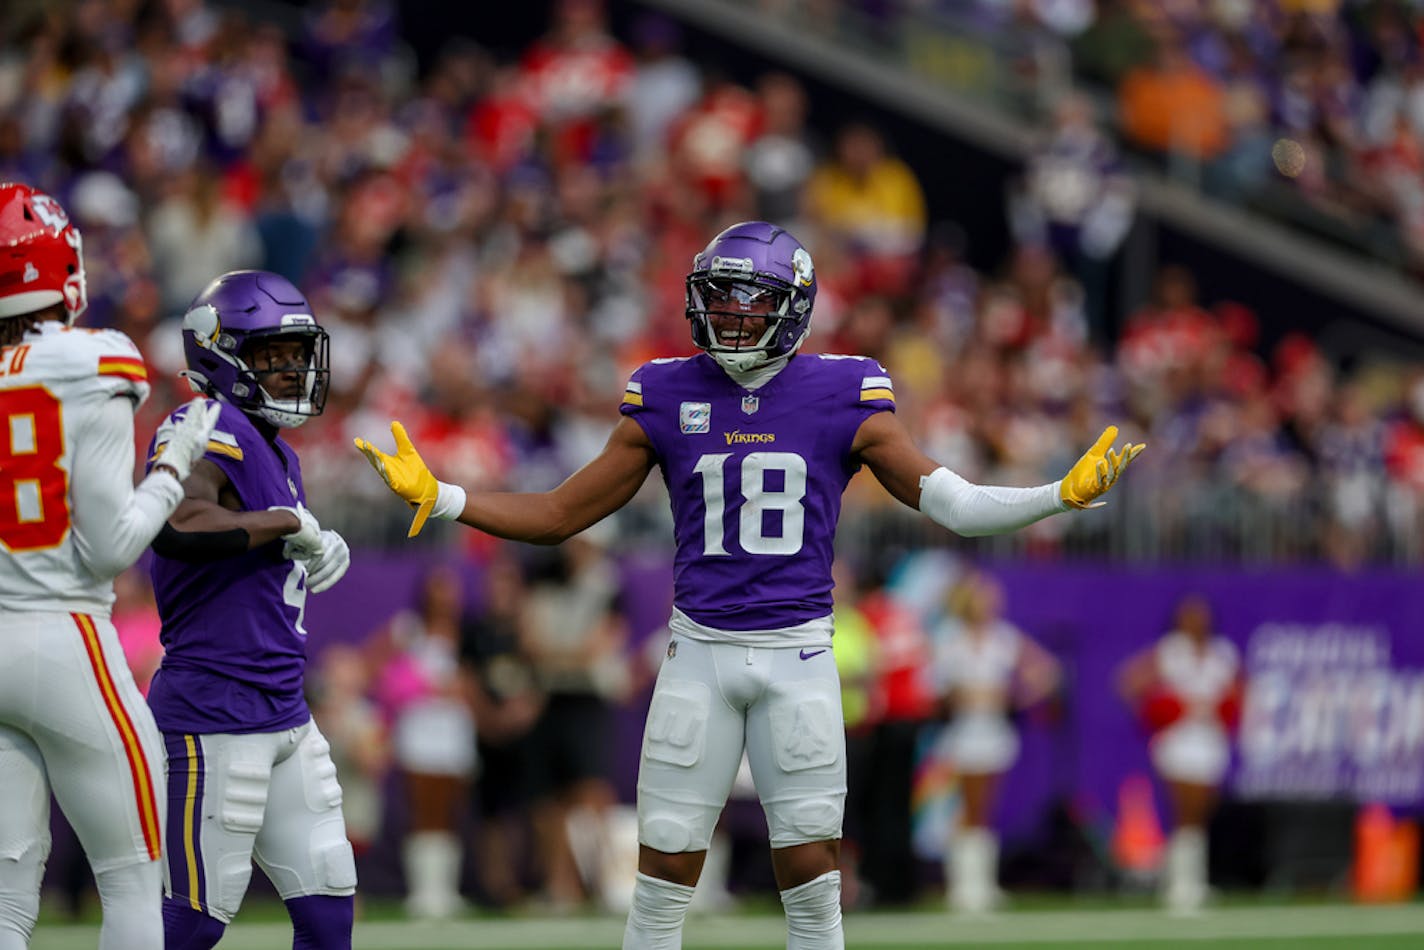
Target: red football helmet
point(41, 254)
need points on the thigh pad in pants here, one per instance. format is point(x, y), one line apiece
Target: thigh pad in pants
point(692, 744)
point(302, 846)
point(218, 788)
point(796, 745)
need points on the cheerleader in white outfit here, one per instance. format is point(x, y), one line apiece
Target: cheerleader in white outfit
point(1187, 689)
point(984, 668)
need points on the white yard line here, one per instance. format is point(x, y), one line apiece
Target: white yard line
point(1136, 927)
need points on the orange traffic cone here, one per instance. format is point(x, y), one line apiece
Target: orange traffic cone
point(1137, 834)
point(1386, 856)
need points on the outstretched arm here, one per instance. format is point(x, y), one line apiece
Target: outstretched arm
point(592, 493)
point(883, 444)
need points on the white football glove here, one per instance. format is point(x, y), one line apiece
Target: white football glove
point(184, 440)
point(304, 543)
point(330, 565)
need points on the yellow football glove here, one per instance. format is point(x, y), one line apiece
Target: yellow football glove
point(1097, 470)
point(406, 474)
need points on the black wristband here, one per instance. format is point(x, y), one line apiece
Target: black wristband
point(200, 547)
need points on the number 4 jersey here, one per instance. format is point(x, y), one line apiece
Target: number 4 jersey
point(234, 645)
point(755, 478)
point(66, 464)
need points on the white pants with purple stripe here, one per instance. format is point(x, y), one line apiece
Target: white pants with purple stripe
point(271, 797)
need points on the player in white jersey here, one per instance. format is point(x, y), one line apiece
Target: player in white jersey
point(1187, 689)
point(71, 719)
point(756, 445)
point(984, 667)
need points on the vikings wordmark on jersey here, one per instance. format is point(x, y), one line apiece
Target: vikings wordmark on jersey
point(755, 496)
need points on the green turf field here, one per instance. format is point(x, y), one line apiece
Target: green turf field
point(1314, 927)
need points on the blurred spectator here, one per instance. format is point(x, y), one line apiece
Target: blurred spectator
point(1404, 462)
point(1245, 166)
point(780, 160)
point(1172, 107)
point(1186, 688)
point(1077, 199)
point(665, 84)
point(490, 649)
point(341, 34)
point(432, 725)
point(985, 668)
point(856, 662)
point(1352, 462)
point(575, 637)
point(904, 701)
point(873, 203)
point(575, 74)
point(707, 144)
point(195, 235)
point(1114, 44)
point(352, 724)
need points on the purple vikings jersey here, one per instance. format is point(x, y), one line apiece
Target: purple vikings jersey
point(755, 478)
point(235, 649)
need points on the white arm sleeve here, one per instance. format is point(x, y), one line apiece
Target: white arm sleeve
point(974, 510)
point(114, 521)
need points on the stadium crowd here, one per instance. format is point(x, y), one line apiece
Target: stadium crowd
point(1311, 109)
point(495, 243)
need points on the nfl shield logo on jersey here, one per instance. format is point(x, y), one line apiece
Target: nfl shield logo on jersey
point(695, 417)
point(672, 649)
point(750, 404)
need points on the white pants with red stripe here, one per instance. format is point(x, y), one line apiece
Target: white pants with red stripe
point(72, 722)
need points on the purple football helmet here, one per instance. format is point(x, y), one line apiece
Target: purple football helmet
point(235, 314)
point(751, 270)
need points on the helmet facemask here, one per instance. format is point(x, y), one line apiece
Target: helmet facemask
point(751, 272)
point(288, 373)
point(743, 323)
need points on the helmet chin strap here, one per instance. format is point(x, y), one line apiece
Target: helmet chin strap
point(750, 370)
point(271, 410)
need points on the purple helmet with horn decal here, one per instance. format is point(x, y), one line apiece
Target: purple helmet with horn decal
point(752, 271)
point(243, 318)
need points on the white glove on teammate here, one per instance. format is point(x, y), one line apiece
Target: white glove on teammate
point(304, 543)
point(330, 565)
point(185, 439)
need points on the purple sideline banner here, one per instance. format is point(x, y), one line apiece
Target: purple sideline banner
point(1335, 680)
point(1335, 666)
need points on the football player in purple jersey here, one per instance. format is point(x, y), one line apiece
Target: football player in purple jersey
point(756, 445)
point(249, 774)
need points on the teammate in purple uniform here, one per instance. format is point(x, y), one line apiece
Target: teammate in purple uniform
point(249, 774)
point(756, 445)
